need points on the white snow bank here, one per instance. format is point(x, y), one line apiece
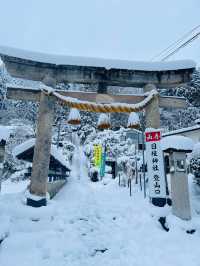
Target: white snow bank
point(55, 152)
point(5, 132)
point(177, 143)
point(96, 62)
point(9, 187)
point(4, 228)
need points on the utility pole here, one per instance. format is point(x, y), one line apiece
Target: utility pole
point(59, 129)
point(143, 159)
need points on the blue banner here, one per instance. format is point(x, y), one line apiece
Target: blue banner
point(103, 164)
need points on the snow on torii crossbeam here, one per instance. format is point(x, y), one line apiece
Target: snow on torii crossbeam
point(52, 70)
point(103, 72)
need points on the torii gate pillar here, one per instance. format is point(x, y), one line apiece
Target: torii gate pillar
point(152, 112)
point(41, 158)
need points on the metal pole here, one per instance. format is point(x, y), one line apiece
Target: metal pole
point(59, 128)
point(143, 163)
point(136, 172)
point(140, 178)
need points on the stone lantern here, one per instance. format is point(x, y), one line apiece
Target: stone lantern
point(177, 147)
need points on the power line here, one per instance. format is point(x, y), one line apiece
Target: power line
point(182, 46)
point(174, 44)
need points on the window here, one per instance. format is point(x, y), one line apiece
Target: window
point(180, 165)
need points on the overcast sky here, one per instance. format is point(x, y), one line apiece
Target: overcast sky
point(124, 29)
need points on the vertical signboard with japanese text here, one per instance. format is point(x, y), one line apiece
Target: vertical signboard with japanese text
point(155, 164)
point(97, 155)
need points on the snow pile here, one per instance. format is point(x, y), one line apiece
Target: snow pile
point(177, 143)
point(97, 62)
point(5, 132)
point(9, 187)
point(4, 228)
point(133, 120)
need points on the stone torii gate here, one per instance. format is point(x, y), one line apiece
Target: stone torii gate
point(89, 71)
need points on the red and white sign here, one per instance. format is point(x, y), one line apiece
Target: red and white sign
point(155, 164)
point(152, 136)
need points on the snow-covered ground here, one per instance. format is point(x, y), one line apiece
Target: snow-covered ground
point(90, 224)
point(9, 186)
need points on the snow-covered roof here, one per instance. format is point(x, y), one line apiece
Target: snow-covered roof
point(179, 143)
point(5, 132)
point(23, 147)
point(97, 62)
point(55, 152)
point(181, 130)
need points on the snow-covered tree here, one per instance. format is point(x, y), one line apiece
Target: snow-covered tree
point(195, 161)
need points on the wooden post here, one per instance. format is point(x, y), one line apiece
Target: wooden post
point(152, 113)
point(2, 156)
point(41, 158)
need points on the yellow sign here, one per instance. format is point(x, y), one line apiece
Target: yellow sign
point(97, 155)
